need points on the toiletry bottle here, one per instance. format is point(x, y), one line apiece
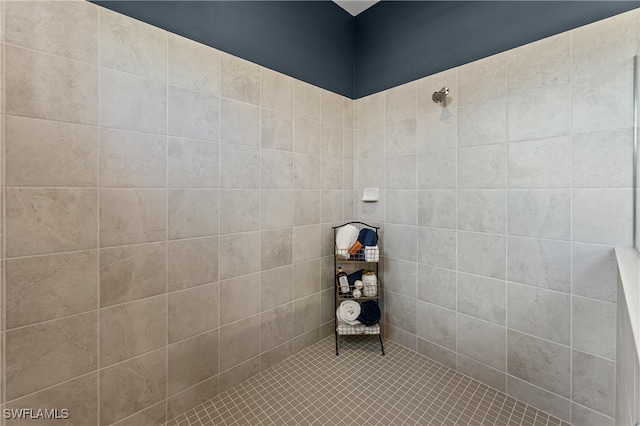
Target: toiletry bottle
point(343, 282)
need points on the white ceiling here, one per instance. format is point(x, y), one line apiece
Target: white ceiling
point(355, 6)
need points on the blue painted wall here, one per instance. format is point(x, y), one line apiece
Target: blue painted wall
point(401, 41)
point(389, 44)
point(312, 41)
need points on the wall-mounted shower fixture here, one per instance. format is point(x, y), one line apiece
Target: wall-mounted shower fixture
point(440, 95)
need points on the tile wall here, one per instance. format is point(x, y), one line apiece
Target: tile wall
point(168, 214)
point(500, 211)
point(627, 410)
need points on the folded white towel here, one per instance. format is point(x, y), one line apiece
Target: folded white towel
point(346, 236)
point(348, 312)
point(372, 254)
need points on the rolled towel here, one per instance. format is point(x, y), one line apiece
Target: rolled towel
point(372, 254)
point(346, 236)
point(348, 312)
point(369, 312)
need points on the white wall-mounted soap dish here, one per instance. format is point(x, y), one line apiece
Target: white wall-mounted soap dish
point(370, 194)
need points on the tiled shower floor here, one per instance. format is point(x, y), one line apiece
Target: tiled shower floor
point(361, 387)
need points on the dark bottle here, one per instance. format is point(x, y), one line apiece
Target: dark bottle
point(343, 282)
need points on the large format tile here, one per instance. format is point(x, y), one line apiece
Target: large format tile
point(400, 311)
point(192, 311)
point(437, 130)
point(539, 213)
point(133, 272)
point(594, 327)
point(401, 102)
point(544, 163)
point(482, 80)
point(49, 153)
point(371, 110)
point(59, 28)
point(306, 243)
point(130, 216)
point(402, 206)
point(483, 123)
point(482, 167)
point(50, 87)
point(552, 403)
point(602, 102)
point(543, 363)
point(542, 263)
point(601, 160)
point(540, 113)
point(192, 262)
point(79, 396)
point(239, 123)
point(239, 342)
point(193, 213)
point(277, 208)
point(595, 272)
point(437, 170)
point(331, 108)
point(332, 144)
point(239, 167)
point(47, 287)
point(543, 63)
point(371, 142)
point(192, 361)
point(276, 327)
point(306, 314)
point(193, 164)
point(132, 46)
point(45, 354)
point(594, 382)
point(484, 298)
point(332, 172)
point(132, 329)
point(241, 298)
point(307, 100)
point(400, 138)
point(276, 287)
point(605, 46)
point(195, 115)
point(481, 372)
point(307, 136)
point(482, 254)
point(437, 325)
point(401, 172)
point(437, 247)
point(182, 401)
point(239, 254)
point(401, 276)
point(132, 103)
point(482, 341)
point(306, 279)
point(239, 211)
point(276, 169)
point(276, 90)
point(437, 208)
point(193, 65)
point(133, 385)
point(132, 159)
point(276, 130)
point(50, 220)
point(482, 211)
point(437, 286)
point(602, 216)
point(539, 312)
point(239, 79)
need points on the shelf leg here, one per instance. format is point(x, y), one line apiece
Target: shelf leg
point(336, 343)
point(381, 344)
